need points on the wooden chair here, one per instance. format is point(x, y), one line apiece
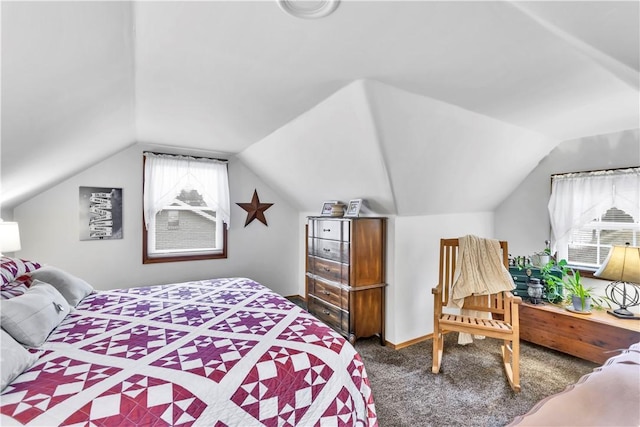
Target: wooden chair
point(503, 306)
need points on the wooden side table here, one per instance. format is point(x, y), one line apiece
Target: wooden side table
point(587, 336)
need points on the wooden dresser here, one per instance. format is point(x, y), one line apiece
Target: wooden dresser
point(345, 274)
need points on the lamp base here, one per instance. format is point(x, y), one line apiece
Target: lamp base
point(623, 313)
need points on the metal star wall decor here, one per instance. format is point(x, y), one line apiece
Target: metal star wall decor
point(255, 209)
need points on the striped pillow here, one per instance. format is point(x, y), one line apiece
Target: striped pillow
point(11, 268)
point(15, 288)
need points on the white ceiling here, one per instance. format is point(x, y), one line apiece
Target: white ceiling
point(83, 80)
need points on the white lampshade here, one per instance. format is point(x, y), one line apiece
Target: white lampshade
point(9, 237)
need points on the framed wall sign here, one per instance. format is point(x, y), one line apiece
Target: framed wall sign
point(100, 213)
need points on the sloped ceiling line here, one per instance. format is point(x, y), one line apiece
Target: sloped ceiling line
point(371, 115)
point(618, 69)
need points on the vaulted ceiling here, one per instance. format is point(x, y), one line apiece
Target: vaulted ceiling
point(416, 91)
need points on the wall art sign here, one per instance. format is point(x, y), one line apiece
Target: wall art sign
point(100, 213)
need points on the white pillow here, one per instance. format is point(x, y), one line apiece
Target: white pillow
point(71, 287)
point(14, 359)
point(30, 318)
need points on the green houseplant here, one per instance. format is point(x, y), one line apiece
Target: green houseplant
point(570, 287)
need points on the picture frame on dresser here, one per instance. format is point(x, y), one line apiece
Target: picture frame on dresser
point(327, 206)
point(353, 208)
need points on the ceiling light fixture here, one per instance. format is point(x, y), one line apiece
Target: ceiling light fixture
point(308, 9)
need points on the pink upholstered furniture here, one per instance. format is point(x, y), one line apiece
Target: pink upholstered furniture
point(608, 396)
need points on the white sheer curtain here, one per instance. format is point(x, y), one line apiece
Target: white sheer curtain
point(578, 198)
point(166, 175)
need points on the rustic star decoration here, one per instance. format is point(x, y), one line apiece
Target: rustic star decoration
point(255, 209)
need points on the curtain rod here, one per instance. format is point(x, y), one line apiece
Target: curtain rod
point(186, 155)
point(592, 171)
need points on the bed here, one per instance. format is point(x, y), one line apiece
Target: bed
point(219, 352)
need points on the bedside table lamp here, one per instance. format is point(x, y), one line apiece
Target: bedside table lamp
point(623, 267)
point(9, 237)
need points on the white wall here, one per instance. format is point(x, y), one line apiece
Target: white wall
point(415, 258)
point(49, 226)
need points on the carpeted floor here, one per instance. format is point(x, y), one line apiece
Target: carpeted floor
point(471, 389)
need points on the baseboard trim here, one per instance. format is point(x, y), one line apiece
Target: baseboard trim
point(409, 343)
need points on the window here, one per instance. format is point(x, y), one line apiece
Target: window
point(186, 208)
point(589, 245)
point(592, 211)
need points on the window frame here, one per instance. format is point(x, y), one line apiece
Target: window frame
point(588, 271)
point(147, 259)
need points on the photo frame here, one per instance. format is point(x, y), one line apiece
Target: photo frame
point(100, 213)
point(327, 206)
point(353, 208)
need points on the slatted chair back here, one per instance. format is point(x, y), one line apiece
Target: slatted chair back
point(503, 322)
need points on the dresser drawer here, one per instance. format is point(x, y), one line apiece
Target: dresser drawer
point(331, 315)
point(520, 275)
point(330, 229)
point(331, 270)
point(329, 293)
point(329, 249)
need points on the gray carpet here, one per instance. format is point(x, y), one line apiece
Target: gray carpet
point(471, 389)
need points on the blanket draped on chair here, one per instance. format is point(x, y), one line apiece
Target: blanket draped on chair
point(479, 271)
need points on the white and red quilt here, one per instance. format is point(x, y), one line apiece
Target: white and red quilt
point(221, 352)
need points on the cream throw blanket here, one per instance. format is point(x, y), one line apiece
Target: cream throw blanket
point(479, 271)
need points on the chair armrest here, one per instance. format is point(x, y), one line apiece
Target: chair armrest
point(436, 290)
point(509, 295)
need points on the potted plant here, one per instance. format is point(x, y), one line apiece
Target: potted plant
point(542, 258)
point(577, 294)
point(570, 287)
point(553, 274)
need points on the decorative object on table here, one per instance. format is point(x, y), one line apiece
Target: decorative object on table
point(327, 207)
point(580, 295)
point(623, 267)
point(521, 278)
point(540, 259)
point(100, 213)
point(337, 210)
point(534, 289)
point(353, 208)
point(9, 237)
point(255, 209)
point(576, 293)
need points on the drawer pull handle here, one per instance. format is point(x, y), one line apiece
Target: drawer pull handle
point(326, 292)
point(325, 311)
point(326, 269)
point(326, 250)
point(326, 230)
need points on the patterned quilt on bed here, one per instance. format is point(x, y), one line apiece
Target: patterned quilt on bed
point(223, 352)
